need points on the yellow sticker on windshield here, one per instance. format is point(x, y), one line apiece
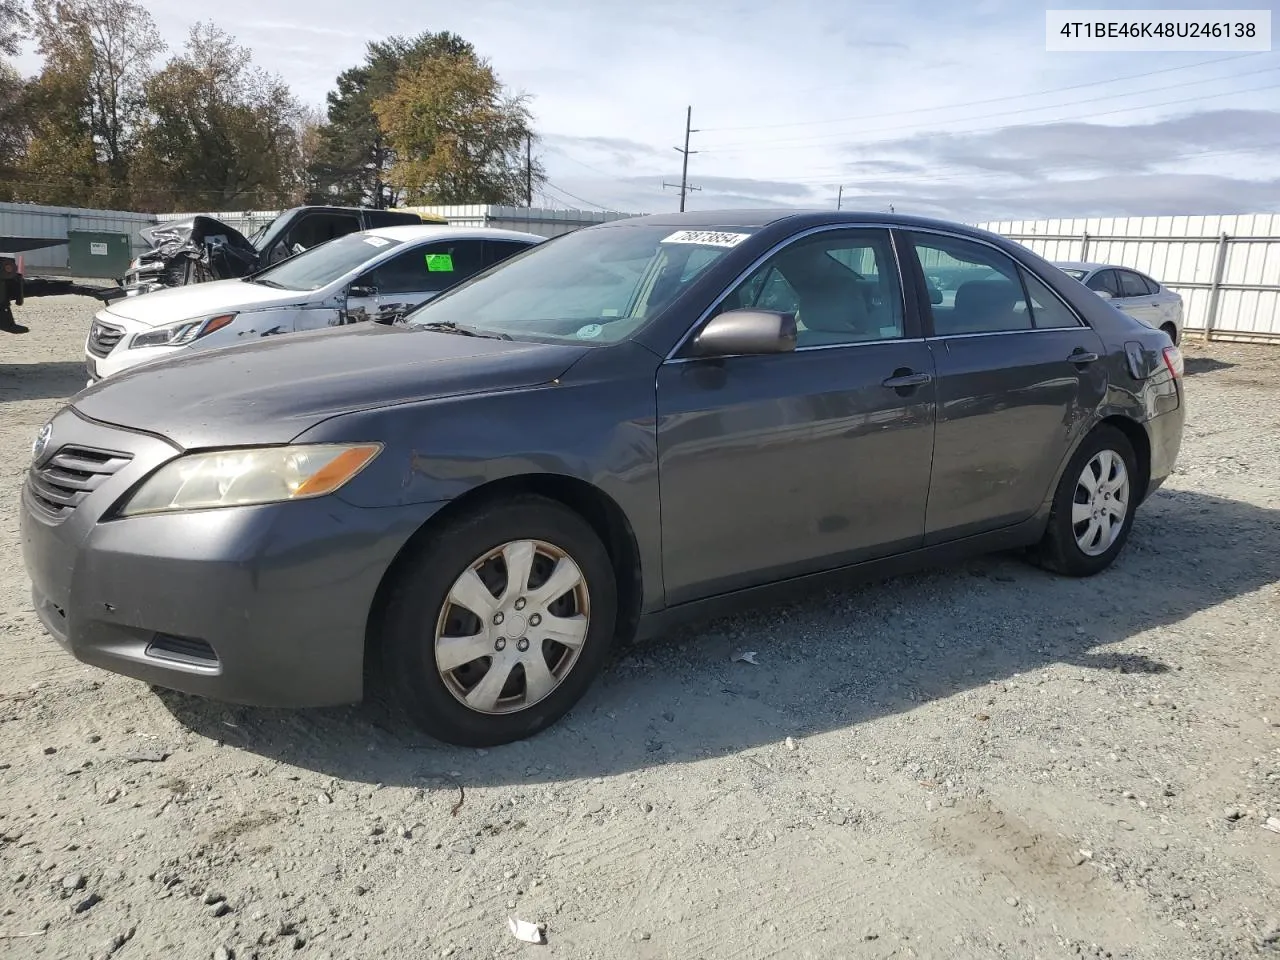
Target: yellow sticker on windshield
point(439, 263)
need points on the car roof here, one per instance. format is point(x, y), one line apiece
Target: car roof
point(802, 217)
point(1090, 267)
point(435, 231)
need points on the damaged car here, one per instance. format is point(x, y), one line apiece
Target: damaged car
point(202, 248)
point(377, 275)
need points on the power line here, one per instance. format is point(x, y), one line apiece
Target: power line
point(976, 103)
point(574, 196)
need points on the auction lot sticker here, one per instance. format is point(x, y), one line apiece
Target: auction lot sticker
point(1131, 31)
point(707, 238)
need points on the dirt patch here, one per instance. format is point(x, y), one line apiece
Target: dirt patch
point(989, 762)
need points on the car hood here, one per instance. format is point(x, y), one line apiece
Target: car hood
point(272, 390)
point(202, 299)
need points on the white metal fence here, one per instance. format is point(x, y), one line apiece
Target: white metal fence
point(1227, 268)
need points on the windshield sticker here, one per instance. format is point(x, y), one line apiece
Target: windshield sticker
point(590, 331)
point(707, 238)
point(376, 241)
point(440, 263)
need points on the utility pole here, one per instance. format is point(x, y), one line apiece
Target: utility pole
point(839, 196)
point(528, 170)
point(684, 172)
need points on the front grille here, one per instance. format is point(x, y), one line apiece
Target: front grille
point(103, 338)
point(59, 484)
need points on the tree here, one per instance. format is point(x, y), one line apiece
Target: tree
point(222, 133)
point(14, 23)
point(97, 57)
point(14, 129)
point(353, 156)
point(457, 135)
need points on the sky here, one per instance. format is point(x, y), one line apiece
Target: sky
point(932, 107)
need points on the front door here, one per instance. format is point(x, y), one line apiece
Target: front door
point(779, 465)
point(411, 278)
point(1018, 377)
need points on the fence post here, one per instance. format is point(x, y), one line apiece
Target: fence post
point(1084, 247)
point(1215, 291)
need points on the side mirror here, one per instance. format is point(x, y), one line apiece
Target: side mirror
point(1103, 294)
point(361, 291)
point(935, 295)
point(746, 332)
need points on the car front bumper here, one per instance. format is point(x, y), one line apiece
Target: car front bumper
point(264, 605)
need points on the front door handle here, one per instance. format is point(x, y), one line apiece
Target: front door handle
point(907, 380)
point(1081, 356)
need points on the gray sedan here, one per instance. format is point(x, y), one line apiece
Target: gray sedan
point(641, 421)
point(1135, 293)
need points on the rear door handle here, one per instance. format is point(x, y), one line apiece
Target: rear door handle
point(1080, 356)
point(908, 380)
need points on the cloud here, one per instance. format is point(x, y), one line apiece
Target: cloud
point(1036, 151)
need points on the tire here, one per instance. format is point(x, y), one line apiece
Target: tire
point(1172, 332)
point(1061, 550)
point(432, 693)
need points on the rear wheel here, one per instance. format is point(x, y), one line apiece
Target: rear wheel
point(1172, 331)
point(1093, 506)
point(497, 628)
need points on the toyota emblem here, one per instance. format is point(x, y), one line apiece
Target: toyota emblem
point(42, 442)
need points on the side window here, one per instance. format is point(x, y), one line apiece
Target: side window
point(1104, 281)
point(1132, 284)
point(403, 273)
point(981, 287)
point(1152, 287)
point(1047, 311)
point(842, 286)
point(495, 251)
point(316, 228)
point(442, 264)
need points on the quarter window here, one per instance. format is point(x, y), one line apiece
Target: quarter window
point(981, 289)
point(842, 286)
point(1047, 311)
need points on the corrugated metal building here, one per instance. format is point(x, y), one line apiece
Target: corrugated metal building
point(35, 220)
point(1227, 268)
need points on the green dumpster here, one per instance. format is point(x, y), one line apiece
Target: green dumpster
point(96, 254)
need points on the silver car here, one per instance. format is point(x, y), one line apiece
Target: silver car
point(379, 275)
point(1142, 298)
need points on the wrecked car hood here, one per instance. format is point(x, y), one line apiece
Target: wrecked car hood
point(170, 235)
point(271, 390)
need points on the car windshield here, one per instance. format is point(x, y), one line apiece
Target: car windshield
point(256, 238)
point(598, 285)
point(325, 263)
point(1076, 274)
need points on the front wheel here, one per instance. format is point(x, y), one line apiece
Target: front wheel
point(1093, 506)
point(500, 623)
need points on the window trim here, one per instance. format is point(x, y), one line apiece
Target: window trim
point(911, 320)
point(921, 288)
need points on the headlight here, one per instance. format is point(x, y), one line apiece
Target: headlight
point(228, 478)
point(182, 333)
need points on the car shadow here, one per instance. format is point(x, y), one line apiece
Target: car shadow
point(830, 661)
point(1194, 365)
point(54, 380)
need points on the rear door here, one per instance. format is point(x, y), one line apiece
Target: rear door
point(495, 251)
point(1018, 378)
point(783, 464)
point(1138, 299)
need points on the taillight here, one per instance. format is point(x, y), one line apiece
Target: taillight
point(1173, 360)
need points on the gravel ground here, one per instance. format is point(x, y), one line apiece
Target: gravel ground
point(982, 762)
